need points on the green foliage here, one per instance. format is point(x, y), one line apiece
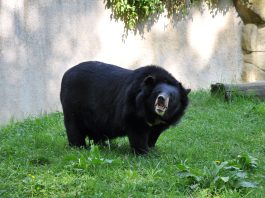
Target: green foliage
point(259, 109)
point(135, 12)
point(227, 175)
point(36, 161)
point(86, 161)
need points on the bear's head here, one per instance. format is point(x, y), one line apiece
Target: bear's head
point(163, 99)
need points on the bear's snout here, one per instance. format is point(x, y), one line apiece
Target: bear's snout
point(161, 104)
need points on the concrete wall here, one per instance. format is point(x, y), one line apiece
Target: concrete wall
point(40, 40)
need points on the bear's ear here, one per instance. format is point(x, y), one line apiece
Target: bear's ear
point(188, 91)
point(149, 80)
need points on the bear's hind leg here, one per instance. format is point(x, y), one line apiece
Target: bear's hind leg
point(76, 136)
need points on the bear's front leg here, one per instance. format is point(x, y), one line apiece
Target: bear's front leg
point(154, 135)
point(138, 141)
point(153, 138)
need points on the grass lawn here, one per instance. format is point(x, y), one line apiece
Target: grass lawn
point(35, 160)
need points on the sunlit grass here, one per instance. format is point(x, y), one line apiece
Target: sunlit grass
point(35, 160)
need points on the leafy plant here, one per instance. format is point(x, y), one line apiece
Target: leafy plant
point(259, 109)
point(234, 174)
point(86, 161)
point(135, 12)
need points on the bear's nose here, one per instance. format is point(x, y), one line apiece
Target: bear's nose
point(161, 99)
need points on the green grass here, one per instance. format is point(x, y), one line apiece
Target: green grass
point(35, 160)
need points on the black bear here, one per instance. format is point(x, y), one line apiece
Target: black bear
point(102, 101)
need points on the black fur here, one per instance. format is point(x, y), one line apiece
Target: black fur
point(102, 101)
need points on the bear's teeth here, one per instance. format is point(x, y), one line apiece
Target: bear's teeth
point(162, 108)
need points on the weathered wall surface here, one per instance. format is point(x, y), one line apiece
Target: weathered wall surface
point(40, 40)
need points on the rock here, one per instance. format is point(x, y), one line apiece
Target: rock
point(256, 58)
point(254, 13)
point(261, 38)
point(258, 6)
point(253, 38)
point(249, 37)
point(251, 73)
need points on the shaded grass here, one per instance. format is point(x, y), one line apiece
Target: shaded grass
point(35, 160)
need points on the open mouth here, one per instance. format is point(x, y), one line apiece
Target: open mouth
point(161, 105)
